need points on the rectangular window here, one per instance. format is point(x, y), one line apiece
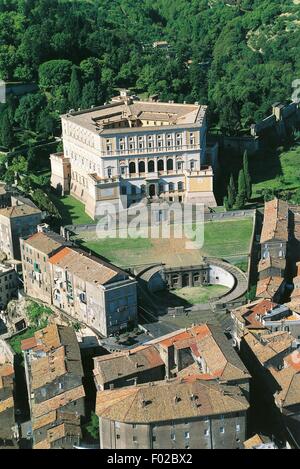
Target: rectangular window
point(238, 427)
point(206, 432)
point(134, 438)
point(173, 436)
point(222, 430)
point(186, 435)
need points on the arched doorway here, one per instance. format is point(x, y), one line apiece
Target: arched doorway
point(152, 190)
point(160, 165)
point(170, 164)
point(132, 169)
point(141, 167)
point(185, 280)
point(151, 166)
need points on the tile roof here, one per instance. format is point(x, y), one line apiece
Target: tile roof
point(120, 364)
point(6, 404)
point(45, 242)
point(44, 420)
point(275, 224)
point(90, 269)
point(44, 370)
point(58, 401)
point(205, 341)
point(267, 346)
point(271, 262)
point(173, 113)
point(19, 211)
point(268, 287)
point(249, 314)
point(169, 400)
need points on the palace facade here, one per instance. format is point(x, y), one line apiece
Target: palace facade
point(129, 150)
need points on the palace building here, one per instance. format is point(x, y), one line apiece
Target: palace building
point(129, 150)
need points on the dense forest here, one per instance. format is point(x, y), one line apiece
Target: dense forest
point(238, 56)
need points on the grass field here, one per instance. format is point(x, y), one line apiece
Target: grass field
point(192, 296)
point(223, 239)
point(277, 171)
point(71, 210)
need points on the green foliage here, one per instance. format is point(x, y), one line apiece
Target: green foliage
point(74, 95)
point(248, 180)
point(38, 314)
point(242, 191)
point(44, 203)
point(7, 133)
point(28, 110)
point(93, 426)
point(240, 57)
point(231, 193)
point(55, 73)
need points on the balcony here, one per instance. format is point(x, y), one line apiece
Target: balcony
point(153, 150)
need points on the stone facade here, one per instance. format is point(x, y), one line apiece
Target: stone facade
point(16, 222)
point(134, 149)
point(157, 396)
point(88, 288)
point(54, 375)
point(8, 284)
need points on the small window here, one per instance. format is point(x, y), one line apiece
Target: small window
point(222, 430)
point(118, 437)
point(173, 436)
point(134, 438)
point(153, 438)
point(206, 432)
point(238, 427)
point(186, 435)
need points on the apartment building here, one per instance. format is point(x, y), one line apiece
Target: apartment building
point(93, 291)
point(16, 222)
point(130, 149)
point(273, 360)
point(188, 389)
point(35, 253)
point(54, 375)
point(263, 316)
point(86, 287)
point(8, 284)
point(8, 431)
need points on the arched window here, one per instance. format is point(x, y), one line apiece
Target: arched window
point(132, 169)
point(170, 164)
point(141, 167)
point(151, 166)
point(180, 186)
point(171, 187)
point(161, 188)
point(160, 165)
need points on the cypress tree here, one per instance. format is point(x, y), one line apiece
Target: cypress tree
point(7, 133)
point(247, 175)
point(242, 192)
point(74, 95)
point(231, 192)
point(225, 203)
point(89, 95)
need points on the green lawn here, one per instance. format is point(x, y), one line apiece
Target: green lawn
point(193, 295)
point(276, 171)
point(121, 251)
point(71, 210)
point(227, 238)
point(224, 239)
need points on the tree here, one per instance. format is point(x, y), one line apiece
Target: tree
point(74, 95)
point(247, 176)
point(89, 95)
point(226, 204)
point(93, 426)
point(242, 192)
point(231, 192)
point(55, 73)
point(29, 109)
point(7, 133)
